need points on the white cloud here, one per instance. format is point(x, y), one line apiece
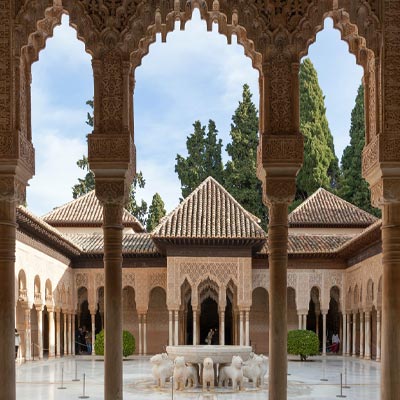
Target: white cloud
point(56, 171)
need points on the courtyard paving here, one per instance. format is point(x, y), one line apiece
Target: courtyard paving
point(41, 380)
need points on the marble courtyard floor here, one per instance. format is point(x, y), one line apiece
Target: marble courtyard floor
point(41, 379)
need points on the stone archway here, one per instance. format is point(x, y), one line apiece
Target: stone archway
point(130, 314)
point(334, 316)
point(208, 292)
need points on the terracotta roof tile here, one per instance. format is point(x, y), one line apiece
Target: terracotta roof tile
point(209, 212)
point(326, 209)
point(86, 211)
point(136, 243)
point(313, 244)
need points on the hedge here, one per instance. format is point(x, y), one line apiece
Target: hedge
point(128, 344)
point(302, 343)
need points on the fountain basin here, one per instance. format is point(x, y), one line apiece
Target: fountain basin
point(219, 354)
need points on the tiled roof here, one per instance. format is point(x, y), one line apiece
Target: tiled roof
point(326, 209)
point(313, 244)
point(135, 244)
point(86, 211)
point(38, 228)
point(209, 212)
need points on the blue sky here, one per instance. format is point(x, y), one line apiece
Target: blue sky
point(194, 76)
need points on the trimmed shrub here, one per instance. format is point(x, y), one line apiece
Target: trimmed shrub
point(303, 343)
point(128, 344)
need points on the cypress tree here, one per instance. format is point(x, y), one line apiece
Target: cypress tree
point(204, 158)
point(240, 171)
point(87, 184)
point(353, 186)
point(156, 212)
point(320, 167)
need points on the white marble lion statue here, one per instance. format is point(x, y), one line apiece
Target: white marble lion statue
point(208, 374)
point(184, 374)
point(162, 369)
point(252, 370)
point(234, 372)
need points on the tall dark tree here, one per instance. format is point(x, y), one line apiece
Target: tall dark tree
point(353, 186)
point(320, 167)
point(85, 185)
point(240, 171)
point(156, 212)
point(204, 158)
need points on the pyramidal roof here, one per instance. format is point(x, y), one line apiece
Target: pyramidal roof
point(323, 208)
point(209, 212)
point(86, 211)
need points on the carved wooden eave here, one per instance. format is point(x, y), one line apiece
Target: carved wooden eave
point(255, 244)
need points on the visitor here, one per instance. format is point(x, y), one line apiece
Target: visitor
point(209, 336)
point(335, 343)
point(88, 341)
point(17, 343)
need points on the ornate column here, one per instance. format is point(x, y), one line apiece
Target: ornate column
point(144, 334)
point(324, 313)
point(28, 338)
point(140, 335)
point(222, 326)
point(194, 326)
point(354, 334)
point(52, 333)
point(367, 354)
point(70, 343)
point(348, 333)
point(343, 338)
point(112, 159)
point(378, 335)
point(40, 330)
point(317, 323)
point(176, 330)
point(247, 316)
point(300, 318)
point(361, 334)
point(241, 328)
point(304, 321)
point(170, 328)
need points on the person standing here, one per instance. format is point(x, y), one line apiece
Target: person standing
point(17, 343)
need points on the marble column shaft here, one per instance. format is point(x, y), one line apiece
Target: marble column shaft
point(140, 335)
point(222, 327)
point(7, 297)
point(73, 334)
point(176, 332)
point(390, 364)
point(278, 258)
point(367, 322)
point(353, 353)
point(348, 333)
point(40, 331)
point(194, 326)
point(93, 321)
point(362, 334)
point(247, 317)
point(28, 336)
point(343, 345)
point(144, 334)
point(300, 318)
point(65, 333)
point(52, 335)
point(378, 335)
point(324, 333)
point(170, 328)
point(112, 231)
point(241, 330)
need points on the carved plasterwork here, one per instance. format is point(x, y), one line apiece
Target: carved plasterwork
point(158, 279)
point(81, 280)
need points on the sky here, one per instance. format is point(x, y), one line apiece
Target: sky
point(195, 75)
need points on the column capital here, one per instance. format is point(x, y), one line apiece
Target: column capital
point(12, 189)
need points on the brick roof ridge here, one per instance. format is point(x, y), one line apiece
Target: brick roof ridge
point(198, 226)
point(350, 211)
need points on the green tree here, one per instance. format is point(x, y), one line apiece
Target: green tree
point(302, 343)
point(87, 184)
point(320, 167)
point(156, 212)
point(240, 171)
point(204, 158)
point(353, 186)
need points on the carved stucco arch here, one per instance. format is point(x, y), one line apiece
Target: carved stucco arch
point(163, 20)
